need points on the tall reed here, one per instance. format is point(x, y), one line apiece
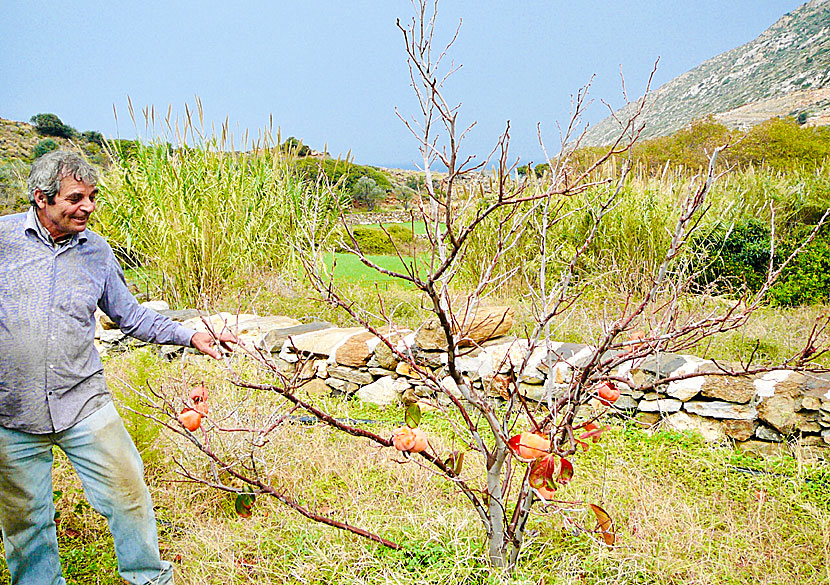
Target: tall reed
point(633, 237)
point(203, 216)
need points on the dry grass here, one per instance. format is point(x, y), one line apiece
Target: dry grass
point(684, 514)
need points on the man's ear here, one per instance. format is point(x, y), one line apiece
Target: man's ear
point(40, 199)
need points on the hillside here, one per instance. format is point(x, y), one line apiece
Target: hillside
point(785, 71)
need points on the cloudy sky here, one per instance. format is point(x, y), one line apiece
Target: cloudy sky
point(332, 73)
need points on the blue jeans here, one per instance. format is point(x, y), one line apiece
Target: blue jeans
point(110, 468)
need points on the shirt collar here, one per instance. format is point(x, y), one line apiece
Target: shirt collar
point(34, 225)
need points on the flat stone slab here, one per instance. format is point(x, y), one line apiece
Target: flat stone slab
point(274, 339)
point(719, 409)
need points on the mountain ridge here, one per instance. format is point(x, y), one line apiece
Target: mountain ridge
point(792, 55)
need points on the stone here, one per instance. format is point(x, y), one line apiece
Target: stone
point(807, 423)
point(765, 384)
point(765, 433)
point(381, 372)
point(179, 315)
point(274, 339)
point(661, 365)
point(508, 356)
point(324, 342)
point(156, 305)
point(406, 369)
point(575, 355)
point(739, 389)
point(384, 355)
point(382, 392)
point(336, 384)
point(499, 385)
point(306, 370)
point(356, 350)
point(740, 430)
point(660, 405)
point(762, 448)
point(316, 387)
point(105, 321)
point(350, 375)
point(810, 403)
point(647, 419)
point(249, 329)
point(450, 387)
point(710, 430)
point(321, 369)
point(430, 359)
point(473, 327)
point(625, 403)
point(476, 366)
point(112, 336)
point(688, 388)
point(533, 391)
point(825, 434)
point(778, 410)
point(718, 409)
point(413, 394)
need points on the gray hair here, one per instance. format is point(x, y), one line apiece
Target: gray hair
point(48, 170)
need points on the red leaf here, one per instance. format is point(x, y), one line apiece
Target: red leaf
point(605, 525)
point(542, 472)
point(593, 433)
point(566, 471)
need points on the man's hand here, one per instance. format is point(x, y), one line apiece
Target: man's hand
point(206, 343)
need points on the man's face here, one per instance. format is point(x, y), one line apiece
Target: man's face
point(70, 213)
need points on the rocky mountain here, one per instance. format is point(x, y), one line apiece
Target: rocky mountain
point(785, 71)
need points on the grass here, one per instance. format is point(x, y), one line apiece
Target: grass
point(685, 510)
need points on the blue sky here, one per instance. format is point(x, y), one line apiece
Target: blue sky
point(332, 73)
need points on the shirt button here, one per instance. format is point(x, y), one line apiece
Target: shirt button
point(52, 337)
point(51, 367)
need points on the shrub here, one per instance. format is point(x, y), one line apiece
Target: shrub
point(44, 146)
point(341, 173)
point(806, 280)
point(296, 147)
point(93, 137)
point(367, 192)
point(51, 125)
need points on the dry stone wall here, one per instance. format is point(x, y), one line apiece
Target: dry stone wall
point(751, 410)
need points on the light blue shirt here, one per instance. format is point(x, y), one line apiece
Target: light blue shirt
point(51, 375)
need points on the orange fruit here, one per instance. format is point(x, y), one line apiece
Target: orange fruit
point(420, 444)
point(608, 392)
point(198, 394)
point(532, 446)
point(403, 439)
point(190, 419)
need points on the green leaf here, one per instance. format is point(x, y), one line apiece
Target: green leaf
point(413, 415)
point(455, 461)
point(244, 503)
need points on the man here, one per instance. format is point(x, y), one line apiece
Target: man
point(53, 275)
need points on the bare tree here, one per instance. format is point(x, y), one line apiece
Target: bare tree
point(526, 446)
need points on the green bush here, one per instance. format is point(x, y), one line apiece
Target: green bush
point(44, 146)
point(372, 240)
point(806, 281)
point(367, 192)
point(341, 173)
point(51, 125)
point(739, 258)
point(93, 137)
